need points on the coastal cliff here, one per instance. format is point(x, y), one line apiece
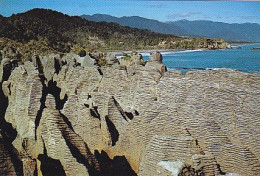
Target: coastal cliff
point(67, 115)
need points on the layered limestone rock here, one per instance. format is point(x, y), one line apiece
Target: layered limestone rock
point(129, 120)
point(133, 59)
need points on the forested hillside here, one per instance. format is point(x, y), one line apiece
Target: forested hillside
point(63, 33)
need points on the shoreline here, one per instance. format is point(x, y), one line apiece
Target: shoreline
point(244, 43)
point(119, 53)
point(160, 50)
point(185, 70)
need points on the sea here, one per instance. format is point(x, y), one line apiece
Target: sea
point(245, 59)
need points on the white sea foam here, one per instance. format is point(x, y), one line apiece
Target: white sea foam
point(190, 51)
point(163, 52)
point(219, 69)
point(145, 53)
point(119, 57)
point(168, 52)
point(180, 51)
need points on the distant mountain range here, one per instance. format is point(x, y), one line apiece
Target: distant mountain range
point(247, 32)
point(138, 22)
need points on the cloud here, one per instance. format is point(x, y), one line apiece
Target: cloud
point(83, 6)
point(183, 15)
point(156, 5)
point(246, 17)
point(206, 17)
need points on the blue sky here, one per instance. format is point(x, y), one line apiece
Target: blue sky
point(223, 11)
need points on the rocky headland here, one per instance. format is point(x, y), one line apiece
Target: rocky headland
point(68, 115)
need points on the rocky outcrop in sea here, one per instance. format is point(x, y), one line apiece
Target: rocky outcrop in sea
point(65, 115)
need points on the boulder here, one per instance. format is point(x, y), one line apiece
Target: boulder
point(155, 63)
point(155, 56)
point(133, 59)
point(137, 59)
point(111, 59)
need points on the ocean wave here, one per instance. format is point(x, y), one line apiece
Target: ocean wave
point(119, 57)
point(215, 68)
point(184, 68)
point(192, 69)
point(189, 51)
point(180, 51)
point(145, 53)
point(222, 69)
point(169, 52)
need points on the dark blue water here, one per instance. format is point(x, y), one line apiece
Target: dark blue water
point(244, 59)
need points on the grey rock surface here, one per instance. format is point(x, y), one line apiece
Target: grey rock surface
point(129, 120)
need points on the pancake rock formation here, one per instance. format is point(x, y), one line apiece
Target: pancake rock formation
point(66, 115)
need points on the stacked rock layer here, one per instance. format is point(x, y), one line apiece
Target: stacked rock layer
point(68, 116)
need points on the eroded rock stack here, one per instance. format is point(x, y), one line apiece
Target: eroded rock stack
point(71, 117)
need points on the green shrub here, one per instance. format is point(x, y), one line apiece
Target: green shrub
point(127, 58)
point(102, 62)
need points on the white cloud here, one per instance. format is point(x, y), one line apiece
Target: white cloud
point(156, 5)
point(183, 15)
point(249, 17)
